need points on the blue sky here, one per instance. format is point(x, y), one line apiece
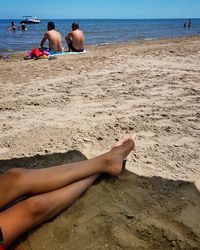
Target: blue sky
point(100, 8)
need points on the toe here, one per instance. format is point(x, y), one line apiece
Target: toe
point(126, 138)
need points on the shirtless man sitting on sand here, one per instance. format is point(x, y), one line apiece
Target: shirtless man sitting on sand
point(75, 39)
point(54, 38)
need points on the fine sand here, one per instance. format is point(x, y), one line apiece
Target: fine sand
point(85, 102)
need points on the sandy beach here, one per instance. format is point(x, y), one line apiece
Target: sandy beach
point(83, 104)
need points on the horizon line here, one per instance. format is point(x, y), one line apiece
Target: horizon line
point(149, 18)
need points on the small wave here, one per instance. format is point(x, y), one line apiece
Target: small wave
point(13, 52)
point(149, 38)
point(102, 44)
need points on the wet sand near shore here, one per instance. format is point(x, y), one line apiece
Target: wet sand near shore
point(85, 102)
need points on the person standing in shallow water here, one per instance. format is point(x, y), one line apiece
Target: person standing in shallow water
point(22, 27)
point(54, 38)
point(75, 39)
point(189, 24)
point(50, 191)
point(13, 26)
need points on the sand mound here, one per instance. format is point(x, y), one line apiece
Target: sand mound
point(128, 212)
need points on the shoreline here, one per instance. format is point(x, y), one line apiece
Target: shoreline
point(137, 41)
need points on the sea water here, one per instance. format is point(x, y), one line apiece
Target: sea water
point(97, 32)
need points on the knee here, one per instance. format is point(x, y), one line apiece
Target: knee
point(37, 207)
point(15, 173)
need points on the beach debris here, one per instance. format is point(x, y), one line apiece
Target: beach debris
point(52, 57)
point(27, 58)
point(4, 57)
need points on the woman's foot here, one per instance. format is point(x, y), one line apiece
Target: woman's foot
point(119, 153)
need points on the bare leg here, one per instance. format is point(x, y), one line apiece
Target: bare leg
point(29, 213)
point(19, 182)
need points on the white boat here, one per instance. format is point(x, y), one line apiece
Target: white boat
point(30, 19)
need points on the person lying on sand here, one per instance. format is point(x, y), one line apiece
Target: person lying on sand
point(54, 38)
point(49, 191)
point(75, 39)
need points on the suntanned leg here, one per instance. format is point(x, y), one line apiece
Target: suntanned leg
point(29, 213)
point(19, 182)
